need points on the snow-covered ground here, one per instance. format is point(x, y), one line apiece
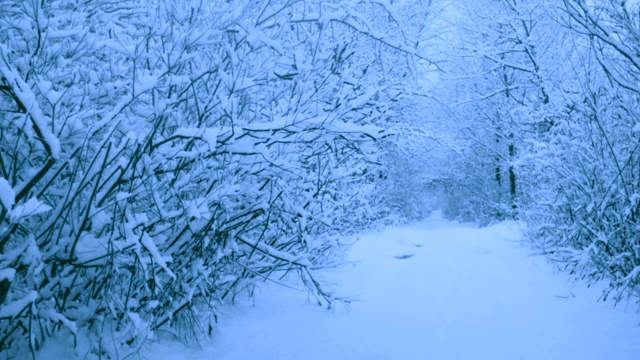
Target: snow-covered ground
point(436, 290)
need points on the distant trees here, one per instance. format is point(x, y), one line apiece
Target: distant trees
point(546, 129)
point(495, 92)
point(156, 159)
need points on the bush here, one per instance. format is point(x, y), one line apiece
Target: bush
point(159, 158)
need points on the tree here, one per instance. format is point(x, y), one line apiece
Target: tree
point(500, 92)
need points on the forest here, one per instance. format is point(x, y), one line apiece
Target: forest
point(161, 159)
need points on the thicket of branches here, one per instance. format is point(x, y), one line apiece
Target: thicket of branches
point(495, 94)
point(157, 158)
point(587, 213)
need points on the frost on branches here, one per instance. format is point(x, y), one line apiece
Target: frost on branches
point(159, 158)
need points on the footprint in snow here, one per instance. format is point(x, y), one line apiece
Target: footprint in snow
point(403, 257)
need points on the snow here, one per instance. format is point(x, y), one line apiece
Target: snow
point(280, 255)
point(91, 250)
point(7, 274)
point(7, 195)
point(632, 5)
point(14, 308)
point(28, 99)
point(150, 245)
point(209, 135)
point(434, 290)
point(33, 206)
point(57, 317)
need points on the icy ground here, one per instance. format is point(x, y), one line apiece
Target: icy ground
point(436, 290)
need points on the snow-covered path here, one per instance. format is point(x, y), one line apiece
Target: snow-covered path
point(437, 290)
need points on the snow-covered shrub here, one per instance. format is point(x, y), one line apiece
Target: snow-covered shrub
point(585, 210)
point(156, 159)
